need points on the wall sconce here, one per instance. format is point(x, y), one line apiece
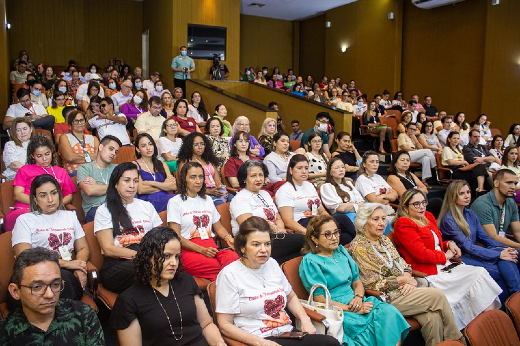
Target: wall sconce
point(343, 48)
point(495, 2)
point(8, 26)
point(390, 15)
point(327, 24)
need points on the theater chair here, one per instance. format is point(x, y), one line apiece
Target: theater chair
point(491, 328)
point(390, 122)
point(450, 343)
point(443, 172)
point(6, 199)
point(295, 144)
point(125, 154)
point(77, 199)
point(7, 259)
point(290, 269)
point(225, 181)
point(513, 308)
point(225, 216)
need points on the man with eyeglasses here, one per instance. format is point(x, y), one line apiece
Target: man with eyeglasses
point(44, 318)
point(36, 113)
point(123, 96)
point(320, 128)
point(108, 123)
point(475, 152)
point(442, 135)
point(37, 96)
point(151, 122)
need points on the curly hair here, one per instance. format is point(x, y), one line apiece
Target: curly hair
point(208, 125)
point(157, 164)
point(40, 141)
point(186, 150)
point(182, 187)
point(148, 262)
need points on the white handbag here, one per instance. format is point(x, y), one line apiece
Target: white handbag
point(333, 324)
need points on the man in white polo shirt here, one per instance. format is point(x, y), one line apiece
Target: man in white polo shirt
point(123, 96)
point(26, 108)
point(110, 123)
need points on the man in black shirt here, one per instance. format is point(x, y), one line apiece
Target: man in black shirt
point(430, 110)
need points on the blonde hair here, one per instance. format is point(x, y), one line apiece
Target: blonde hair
point(405, 202)
point(450, 204)
point(263, 132)
point(17, 121)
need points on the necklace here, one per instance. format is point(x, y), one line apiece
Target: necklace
point(261, 278)
point(410, 180)
point(101, 175)
point(149, 170)
point(168, 317)
point(284, 157)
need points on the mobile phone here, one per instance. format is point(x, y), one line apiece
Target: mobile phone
point(450, 267)
point(292, 335)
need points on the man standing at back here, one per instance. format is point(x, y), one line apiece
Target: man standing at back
point(182, 66)
point(93, 177)
point(45, 319)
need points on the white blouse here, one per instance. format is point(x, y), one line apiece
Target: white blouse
point(12, 153)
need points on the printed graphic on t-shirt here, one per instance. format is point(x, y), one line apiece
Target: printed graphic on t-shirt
point(270, 215)
point(131, 236)
point(58, 240)
point(310, 204)
point(274, 309)
point(202, 225)
point(381, 188)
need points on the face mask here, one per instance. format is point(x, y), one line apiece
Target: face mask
point(264, 72)
point(63, 89)
point(138, 100)
point(37, 93)
point(93, 70)
point(138, 85)
point(112, 86)
point(323, 127)
point(248, 73)
point(360, 104)
point(158, 88)
point(184, 53)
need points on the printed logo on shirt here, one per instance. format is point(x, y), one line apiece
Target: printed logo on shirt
point(58, 240)
point(131, 236)
point(202, 224)
point(310, 203)
point(270, 215)
point(274, 309)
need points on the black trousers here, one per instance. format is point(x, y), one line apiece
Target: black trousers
point(308, 340)
point(286, 246)
point(46, 123)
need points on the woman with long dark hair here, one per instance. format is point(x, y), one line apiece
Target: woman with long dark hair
point(165, 305)
point(197, 110)
point(186, 123)
point(120, 224)
point(156, 183)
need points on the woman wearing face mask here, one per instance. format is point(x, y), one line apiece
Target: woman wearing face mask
point(219, 145)
point(41, 159)
point(76, 147)
point(137, 105)
point(197, 109)
point(93, 89)
point(247, 76)
point(58, 103)
point(113, 87)
point(92, 68)
point(50, 226)
point(15, 151)
point(186, 123)
point(158, 90)
point(221, 112)
point(137, 83)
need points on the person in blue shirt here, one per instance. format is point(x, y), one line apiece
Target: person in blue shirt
point(182, 66)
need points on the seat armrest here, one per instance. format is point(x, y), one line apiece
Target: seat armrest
point(92, 279)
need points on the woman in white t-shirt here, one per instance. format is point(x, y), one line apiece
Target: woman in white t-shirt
point(317, 160)
point(194, 217)
point(252, 201)
point(169, 144)
point(50, 226)
point(119, 226)
point(298, 201)
point(370, 184)
point(253, 295)
point(338, 193)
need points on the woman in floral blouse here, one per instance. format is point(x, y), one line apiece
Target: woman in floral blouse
point(381, 268)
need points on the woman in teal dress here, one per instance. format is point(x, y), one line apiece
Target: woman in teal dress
point(366, 320)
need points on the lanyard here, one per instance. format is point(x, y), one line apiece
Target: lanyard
point(81, 142)
point(502, 219)
point(52, 168)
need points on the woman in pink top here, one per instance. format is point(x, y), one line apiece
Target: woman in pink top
point(41, 159)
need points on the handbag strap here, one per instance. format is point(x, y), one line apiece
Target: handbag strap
point(327, 296)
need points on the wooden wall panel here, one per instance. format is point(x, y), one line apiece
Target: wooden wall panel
point(443, 55)
point(266, 42)
point(373, 56)
point(501, 75)
point(312, 47)
point(88, 31)
point(4, 64)
point(225, 13)
point(157, 19)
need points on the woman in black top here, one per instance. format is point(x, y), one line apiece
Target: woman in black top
point(348, 153)
point(401, 179)
point(371, 119)
point(164, 306)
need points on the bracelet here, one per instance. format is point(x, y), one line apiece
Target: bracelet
point(358, 295)
point(227, 235)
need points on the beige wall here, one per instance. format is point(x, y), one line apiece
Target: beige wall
point(266, 42)
point(88, 31)
point(312, 47)
point(4, 64)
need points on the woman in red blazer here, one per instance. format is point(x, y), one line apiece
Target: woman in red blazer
point(469, 290)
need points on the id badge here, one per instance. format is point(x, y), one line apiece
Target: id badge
point(204, 234)
point(65, 253)
point(502, 234)
point(87, 158)
point(190, 123)
point(314, 210)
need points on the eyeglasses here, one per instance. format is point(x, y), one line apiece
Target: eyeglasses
point(329, 234)
point(103, 105)
point(202, 144)
point(78, 121)
point(324, 121)
point(171, 125)
point(40, 289)
point(127, 86)
point(416, 205)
